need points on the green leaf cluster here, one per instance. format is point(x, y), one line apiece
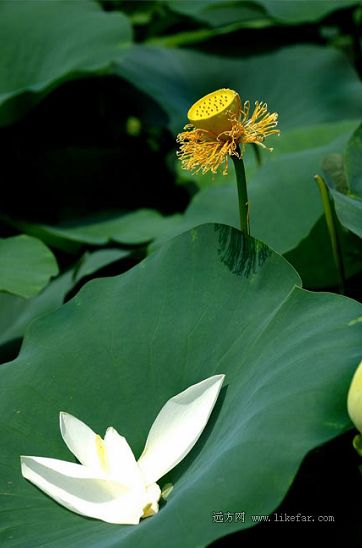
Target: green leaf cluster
point(124, 279)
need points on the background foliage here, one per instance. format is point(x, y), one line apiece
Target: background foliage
point(92, 95)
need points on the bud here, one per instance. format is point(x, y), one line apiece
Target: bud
point(354, 399)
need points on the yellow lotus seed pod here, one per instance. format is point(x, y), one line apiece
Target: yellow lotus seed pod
point(354, 400)
point(215, 111)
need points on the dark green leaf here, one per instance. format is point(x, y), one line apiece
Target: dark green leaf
point(91, 262)
point(132, 228)
point(26, 265)
point(348, 197)
point(44, 43)
point(303, 10)
point(353, 161)
point(216, 13)
point(313, 257)
point(17, 313)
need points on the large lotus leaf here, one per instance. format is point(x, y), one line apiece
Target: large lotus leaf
point(209, 302)
point(133, 228)
point(349, 203)
point(45, 43)
point(305, 84)
point(26, 265)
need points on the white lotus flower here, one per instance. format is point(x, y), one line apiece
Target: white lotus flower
point(109, 484)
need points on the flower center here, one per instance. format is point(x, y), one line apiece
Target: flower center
point(102, 454)
point(214, 111)
point(148, 511)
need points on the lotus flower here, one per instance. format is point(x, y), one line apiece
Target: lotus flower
point(110, 484)
point(219, 123)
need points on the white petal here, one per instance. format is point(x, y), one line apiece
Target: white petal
point(177, 428)
point(80, 439)
point(121, 462)
point(74, 487)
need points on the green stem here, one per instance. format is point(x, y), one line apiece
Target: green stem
point(331, 225)
point(242, 192)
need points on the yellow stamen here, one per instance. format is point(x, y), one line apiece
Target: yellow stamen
point(102, 453)
point(148, 511)
point(200, 153)
point(260, 125)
